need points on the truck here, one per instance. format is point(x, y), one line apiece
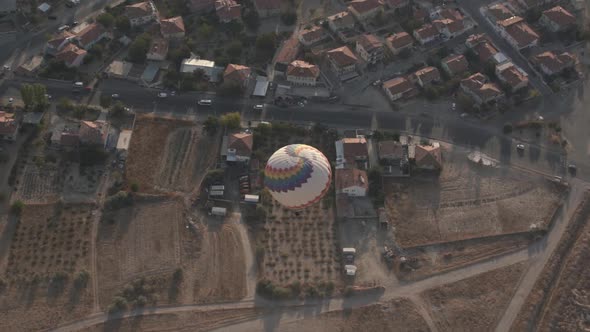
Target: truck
point(348, 255)
point(216, 193)
point(251, 198)
point(218, 211)
point(217, 187)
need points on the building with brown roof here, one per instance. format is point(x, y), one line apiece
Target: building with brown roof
point(428, 157)
point(94, 132)
point(8, 126)
point(91, 35)
point(352, 182)
point(455, 64)
point(342, 60)
point(498, 12)
point(239, 147)
point(511, 76)
point(158, 49)
point(481, 91)
point(266, 8)
point(398, 88)
point(287, 54)
point(426, 34)
point(355, 149)
point(557, 19)
point(552, 64)
point(396, 4)
point(58, 42)
point(71, 55)
point(141, 13)
point(391, 150)
point(449, 28)
point(31, 66)
point(364, 10)
point(172, 28)
point(424, 77)
point(339, 21)
point(228, 10)
point(370, 48)
point(302, 73)
point(518, 33)
point(237, 74)
point(398, 42)
point(308, 37)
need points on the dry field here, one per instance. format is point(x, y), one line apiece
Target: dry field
point(559, 300)
point(300, 248)
point(48, 251)
point(168, 154)
point(474, 304)
point(466, 201)
point(395, 315)
point(39, 185)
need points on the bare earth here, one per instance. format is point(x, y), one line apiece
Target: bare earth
point(474, 304)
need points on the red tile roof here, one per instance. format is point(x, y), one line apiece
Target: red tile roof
point(428, 156)
point(69, 54)
point(369, 42)
point(477, 84)
point(560, 16)
point(485, 51)
point(342, 56)
point(236, 73)
point(312, 34)
point(522, 33)
point(391, 149)
point(8, 124)
point(90, 34)
point(398, 85)
point(60, 38)
point(301, 68)
point(354, 148)
point(140, 9)
point(172, 25)
point(228, 10)
point(510, 75)
point(364, 6)
point(289, 50)
point(427, 31)
point(500, 12)
point(346, 178)
point(400, 40)
point(554, 62)
point(452, 25)
point(456, 63)
point(428, 74)
point(241, 142)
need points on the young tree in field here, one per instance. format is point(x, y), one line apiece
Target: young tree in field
point(34, 96)
point(211, 124)
point(231, 121)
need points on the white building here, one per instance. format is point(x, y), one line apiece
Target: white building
point(194, 62)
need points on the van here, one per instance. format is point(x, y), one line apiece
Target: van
point(204, 102)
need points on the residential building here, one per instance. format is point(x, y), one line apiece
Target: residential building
point(454, 65)
point(31, 67)
point(370, 48)
point(158, 50)
point(398, 42)
point(483, 48)
point(287, 54)
point(396, 4)
point(57, 43)
point(302, 73)
point(557, 19)
point(364, 10)
point(228, 10)
point(342, 61)
point(71, 55)
point(399, 88)
point(239, 147)
point(477, 87)
point(90, 35)
point(449, 28)
point(123, 143)
point(352, 182)
point(94, 132)
point(426, 34)
point(518, 33)
point(392, 152)
point(513, 77)
point(141, 13)
point(194, 62)
point(552, 64)
point(426, 76)
point(237, 74)
point(355, 149)
point(308, 37)
point(498, 12)
point(339, 21)
point(266, 8)
point(8, 126)
point(172, 28)
point(428, 157)
point(119, 69)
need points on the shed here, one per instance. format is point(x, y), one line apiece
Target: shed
point(218, 211)
point(216, 193)
point(261, 86)
point(44, 7)
point(123, 142)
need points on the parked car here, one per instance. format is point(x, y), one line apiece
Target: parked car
point(205, 102)
point(162, 95)
point(259, 107)
point(115, 96)
point(52, 17)
point(520, 147)
point(572, 168)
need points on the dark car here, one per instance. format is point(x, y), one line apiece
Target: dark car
point(52, 17)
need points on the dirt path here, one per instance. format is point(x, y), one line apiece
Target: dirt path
point(424, 312)
point(102, 190)
point(249, 262)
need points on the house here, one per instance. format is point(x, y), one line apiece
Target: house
point(342, 61)
point(498, 12)
point(398, 42)
point(557, 19)
point(31, 67)
point(239, 147)
point(302, 73)
point(370, 48)
point(454, 65)
point(352, 182)
point(94, 132)
point(364, 10)
point(172, 28)
point(449, 28)
point(308, 37)
point(426, 34)
point(237, 74)
point(228, 10)
point(396, 4)
point(399, 88)
point(426, 76)
point(57, 43)
point(428, 157)
point(287, 54)
point(513, 77)
point(518, 33)
point(394, 153)
point(266, 8)
point(91, 35)
point(553, 64)
point(482, 47)
point(194, 62)
point(9, 126)
point(71, 55)
point(44, 8)
point(119, 69)
point(123, 143)
point(477, 87)
point(158, 49)
point(141, 13)
point(355, 149)
point(340, 21)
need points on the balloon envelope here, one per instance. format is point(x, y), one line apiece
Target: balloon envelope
point(298, 175)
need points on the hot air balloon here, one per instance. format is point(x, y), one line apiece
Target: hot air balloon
point(298, 176)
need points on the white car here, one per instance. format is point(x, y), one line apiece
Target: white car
point(162, 95)
point(10, 100)
point(6, 68)
point(520, 147)
point(115, 96)
point(205, 102)
point(258, 107)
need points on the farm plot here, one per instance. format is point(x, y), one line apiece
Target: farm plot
point(476, 303)
point(467, 201)
point(136, 242)
point(39, 184)
point(300, 247)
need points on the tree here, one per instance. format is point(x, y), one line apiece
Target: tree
point(65, 104)
point(117, 109)
point(230, 89)
point(34, 97)
point(139, 48)
point(251, 19)
point(289, 18)
point(122, 24)
point(234, 49)
point(205, 31)
point(266, 46)
point(107, 20)
point(17, 207)
point(211, 124)
point(231, 121)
